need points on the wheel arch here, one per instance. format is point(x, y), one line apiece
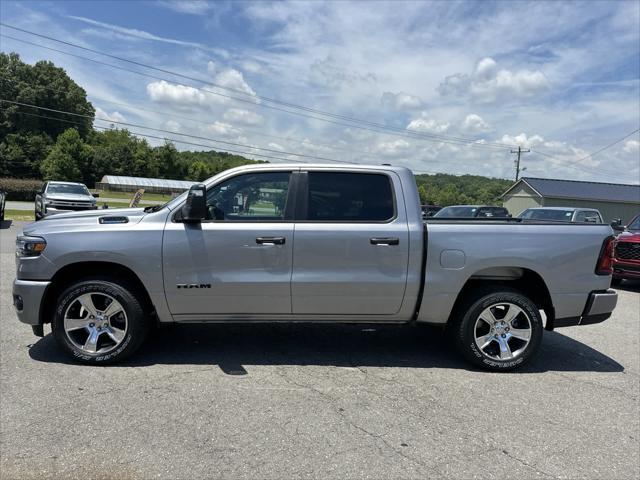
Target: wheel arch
point(78, 271)
point(525, 280)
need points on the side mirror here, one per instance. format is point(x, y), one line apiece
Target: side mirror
point(616, 224)
point(95, 195)
point(195, 208)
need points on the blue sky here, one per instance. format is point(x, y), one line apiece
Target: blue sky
point(562, 79)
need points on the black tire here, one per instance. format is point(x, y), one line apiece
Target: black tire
point(137, 320)
point(615, 282)
point(36, 216)
point(464, 328)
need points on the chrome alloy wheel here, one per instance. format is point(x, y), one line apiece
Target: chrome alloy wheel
point(503, 331)
point(95, 323)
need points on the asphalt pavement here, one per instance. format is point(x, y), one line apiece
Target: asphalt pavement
point(300, 401)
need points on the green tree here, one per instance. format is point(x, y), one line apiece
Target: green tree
point(199, 171)
point(25, 136)
point(422, 191)
point(68, 158)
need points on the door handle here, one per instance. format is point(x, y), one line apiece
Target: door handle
point(384, 241)
point(270, 240)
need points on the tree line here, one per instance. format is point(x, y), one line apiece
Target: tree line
point(68, 147)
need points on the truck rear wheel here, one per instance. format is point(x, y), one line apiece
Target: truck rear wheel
point(100, 322)
point(498, 329)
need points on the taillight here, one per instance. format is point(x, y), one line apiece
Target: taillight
point(605, 260)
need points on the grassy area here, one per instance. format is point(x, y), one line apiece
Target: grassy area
point(129, 195)
point(18, 215)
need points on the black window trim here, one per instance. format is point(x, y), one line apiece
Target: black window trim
point(288, 205)
point(302, 207)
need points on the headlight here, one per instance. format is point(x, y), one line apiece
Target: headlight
point(29, 246)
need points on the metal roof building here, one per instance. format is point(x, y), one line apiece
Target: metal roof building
point(131, 184)
point(614, 200)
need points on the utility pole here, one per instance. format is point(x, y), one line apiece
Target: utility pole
point(517, 162)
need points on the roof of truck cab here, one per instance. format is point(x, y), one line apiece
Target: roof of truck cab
point(56, 182)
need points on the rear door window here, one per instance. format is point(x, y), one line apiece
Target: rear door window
point(349, 197)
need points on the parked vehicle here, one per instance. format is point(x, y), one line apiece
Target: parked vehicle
point(473, 211)
point(563, 214)
point(626, 258)
point(429, 210)
point(225, 251)
point(57, 197)
point(3, 199)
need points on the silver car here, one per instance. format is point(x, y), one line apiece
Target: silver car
point(563, 214)
point(57, 197)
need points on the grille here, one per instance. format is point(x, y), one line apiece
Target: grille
point(628, 250)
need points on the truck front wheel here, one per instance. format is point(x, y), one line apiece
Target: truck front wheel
point(498, 329)
point(100, 322)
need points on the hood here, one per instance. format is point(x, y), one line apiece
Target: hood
point(82, 220)
point(629, 236)
point(70, 197)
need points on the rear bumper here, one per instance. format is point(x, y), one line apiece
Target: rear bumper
point(27, 300)
point(599, 307)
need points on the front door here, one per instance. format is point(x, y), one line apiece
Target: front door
point(238, 261)
point(351, 247)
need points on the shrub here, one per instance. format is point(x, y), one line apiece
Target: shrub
point(20, 188)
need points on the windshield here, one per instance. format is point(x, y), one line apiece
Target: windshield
point(635, 224)
point(67, 188)
point(562, 215)
point(451, 212)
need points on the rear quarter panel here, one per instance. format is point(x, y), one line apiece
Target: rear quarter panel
point(565, 256)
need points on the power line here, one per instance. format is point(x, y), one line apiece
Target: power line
point(225, 150)
point(224, 87)
point(132, 107)
point(597, 172)
point(128, 124)
point(371, 126)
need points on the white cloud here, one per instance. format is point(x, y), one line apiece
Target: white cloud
point(192, 7)
point(393, 148)
point(221, 128)
point(401, 101)
point(276, 146)
point(426, 124)
point(172, 125)
point(487, 83)
point(181, 95)
point(475, 124)
point(114, 116)
point(522, 140)
point(632, 146)
point(242, 116)
point(232, 78)
point(134, 33)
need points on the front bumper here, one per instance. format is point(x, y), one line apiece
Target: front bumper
point(599, 307)
point(629, 270)
point(27, 299)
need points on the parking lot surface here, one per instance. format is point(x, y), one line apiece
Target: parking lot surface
point(301, 401)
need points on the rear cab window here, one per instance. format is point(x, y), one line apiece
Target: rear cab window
point(349, 197)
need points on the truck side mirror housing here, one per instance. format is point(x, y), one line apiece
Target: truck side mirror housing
point(195, 208)
point(616, 224)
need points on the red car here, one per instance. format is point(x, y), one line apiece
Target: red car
point(626, 256)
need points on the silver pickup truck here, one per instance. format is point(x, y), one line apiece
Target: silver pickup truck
point(312, 243)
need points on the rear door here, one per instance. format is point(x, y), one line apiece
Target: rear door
point(351, 245)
